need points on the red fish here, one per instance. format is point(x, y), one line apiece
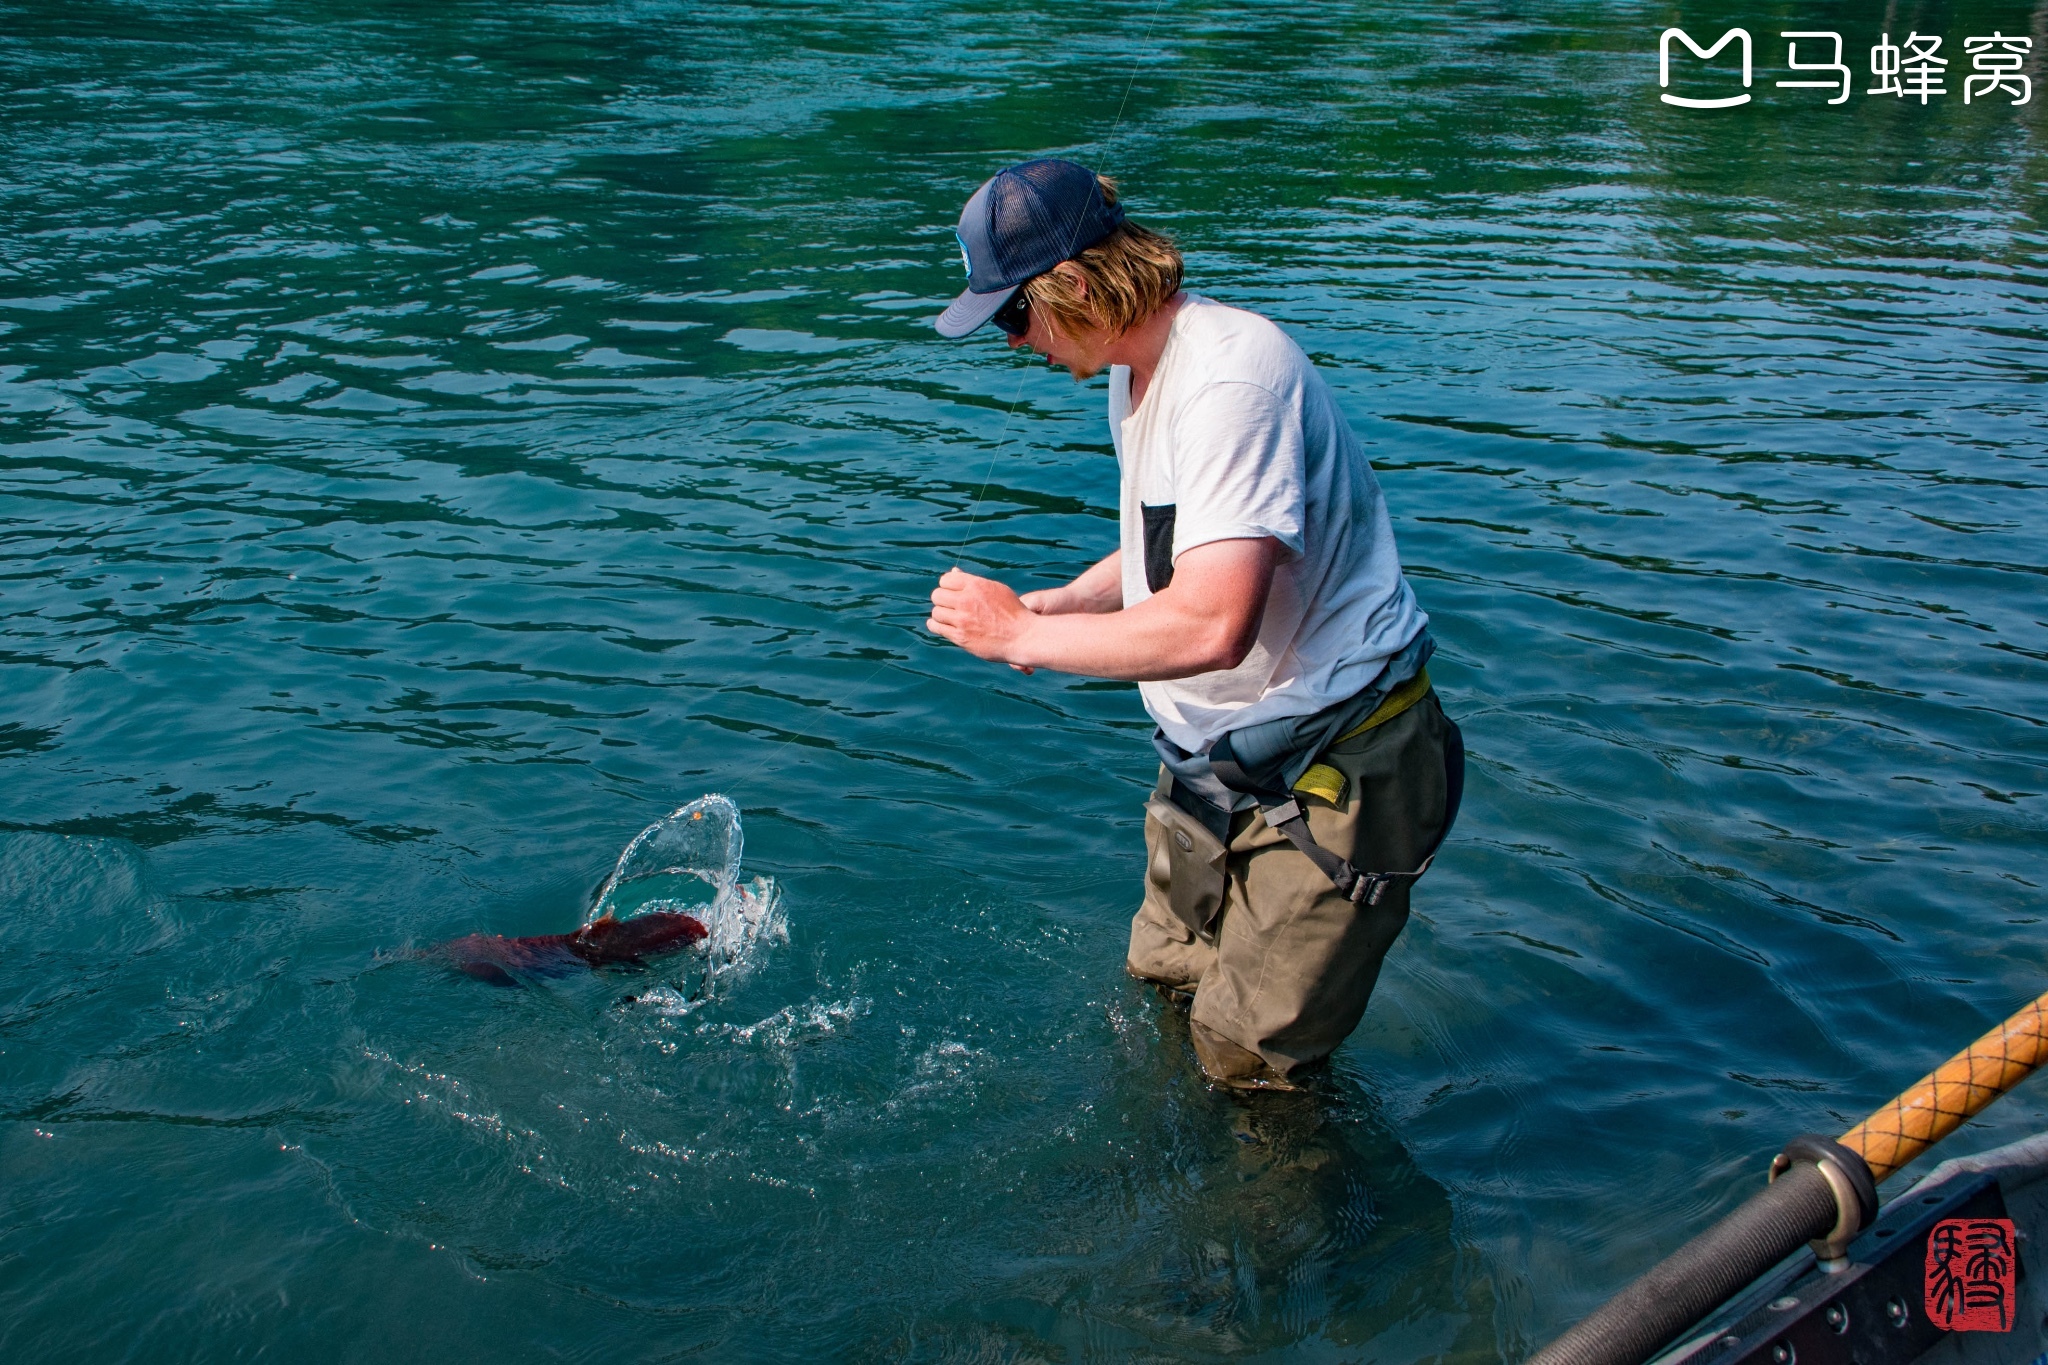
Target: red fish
point(602, 942)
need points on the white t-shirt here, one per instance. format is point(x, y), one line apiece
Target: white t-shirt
point(1241, 437)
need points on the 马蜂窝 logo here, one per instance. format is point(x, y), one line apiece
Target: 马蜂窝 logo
point(1705, 54)
point(1912, 68)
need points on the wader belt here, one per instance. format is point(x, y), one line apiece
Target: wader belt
point(1282, 809)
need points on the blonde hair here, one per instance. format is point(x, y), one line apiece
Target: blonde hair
point(1131, 273)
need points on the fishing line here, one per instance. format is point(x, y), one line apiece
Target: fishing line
point(1002, 435)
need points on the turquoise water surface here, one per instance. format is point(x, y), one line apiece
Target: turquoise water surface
point(437, 441)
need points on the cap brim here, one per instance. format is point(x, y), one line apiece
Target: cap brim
point(970, 310)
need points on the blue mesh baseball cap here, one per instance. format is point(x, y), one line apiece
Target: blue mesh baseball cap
point(1023, 221)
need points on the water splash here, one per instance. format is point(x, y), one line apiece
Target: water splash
point(689, 862)
point(687, 859)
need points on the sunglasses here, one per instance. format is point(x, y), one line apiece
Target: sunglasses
point(1014, 317)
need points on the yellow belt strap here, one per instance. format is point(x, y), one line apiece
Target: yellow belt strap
point(1325, 781)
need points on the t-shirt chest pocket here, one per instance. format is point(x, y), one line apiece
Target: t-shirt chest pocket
point(1158, 545)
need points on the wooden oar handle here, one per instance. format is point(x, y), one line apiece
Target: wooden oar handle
point(1952, 1092)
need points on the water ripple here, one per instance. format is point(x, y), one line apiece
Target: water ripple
point(431, 450)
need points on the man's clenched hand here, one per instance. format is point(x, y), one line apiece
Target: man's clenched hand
point(981, 616)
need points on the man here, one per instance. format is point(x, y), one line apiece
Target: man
point(1307, 772)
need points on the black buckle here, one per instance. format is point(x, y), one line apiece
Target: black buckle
point(1278, 815)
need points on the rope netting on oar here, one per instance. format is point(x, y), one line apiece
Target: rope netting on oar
point(1954, 1091)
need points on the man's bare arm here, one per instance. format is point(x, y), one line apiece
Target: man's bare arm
point(1099, 588)
point(1206, 619)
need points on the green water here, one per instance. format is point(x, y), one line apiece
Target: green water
point(436, 441)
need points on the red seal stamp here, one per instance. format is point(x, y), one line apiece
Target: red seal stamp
point(1971, 1266)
